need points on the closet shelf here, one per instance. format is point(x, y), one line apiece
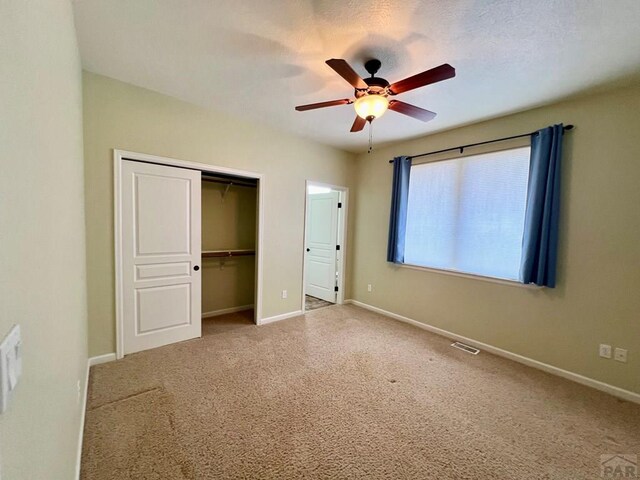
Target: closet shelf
point(227, 253)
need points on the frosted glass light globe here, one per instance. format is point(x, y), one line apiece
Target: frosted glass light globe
point(371, 106)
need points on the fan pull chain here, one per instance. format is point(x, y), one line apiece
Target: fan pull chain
point(370, 137)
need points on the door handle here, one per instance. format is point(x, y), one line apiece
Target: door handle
point(308, 249)
point(196, 268)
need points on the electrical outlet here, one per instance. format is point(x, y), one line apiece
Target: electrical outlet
point(284, 294)
point(369, 287)
point(79, 387)
point(605, 350)
point(620, 355)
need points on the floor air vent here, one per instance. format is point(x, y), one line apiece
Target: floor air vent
point(466, 348)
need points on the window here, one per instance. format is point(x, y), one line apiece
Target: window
point(467, 214)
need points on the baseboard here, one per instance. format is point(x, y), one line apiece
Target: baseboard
point(82, 417)
point(277, 318)
point(575, 377)
point(222, 311)
point(91, 361)
point(107, 357)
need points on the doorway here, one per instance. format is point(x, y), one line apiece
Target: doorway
point(157, 214)
point(324, 245)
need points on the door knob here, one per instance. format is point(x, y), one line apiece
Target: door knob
point(196, 268)
point(308, 249)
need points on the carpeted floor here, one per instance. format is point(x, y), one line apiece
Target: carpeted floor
point(342, 393)
point(313, 303)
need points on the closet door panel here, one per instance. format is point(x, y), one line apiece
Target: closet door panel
point(161, 217)
point(148, 272)
point(161, 250)
point(163, 307)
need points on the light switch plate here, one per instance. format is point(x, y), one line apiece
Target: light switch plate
point(605, 350)
point(10, 365)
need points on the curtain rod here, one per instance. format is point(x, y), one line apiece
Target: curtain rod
point(462, 147)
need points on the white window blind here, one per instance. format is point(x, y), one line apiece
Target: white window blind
point(467, 214)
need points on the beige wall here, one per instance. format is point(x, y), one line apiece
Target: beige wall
point(597, 299)
point(228, 223)
point(595, 302)
point(42, 253)
point(118, 115)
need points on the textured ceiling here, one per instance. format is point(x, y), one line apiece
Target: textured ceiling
point(259, 59)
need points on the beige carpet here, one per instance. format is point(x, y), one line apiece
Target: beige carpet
point(342, 393)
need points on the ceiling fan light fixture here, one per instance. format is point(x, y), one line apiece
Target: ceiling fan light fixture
point(371, 105)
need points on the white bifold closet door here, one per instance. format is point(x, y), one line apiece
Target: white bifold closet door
point(322, 237)
point(161, 249)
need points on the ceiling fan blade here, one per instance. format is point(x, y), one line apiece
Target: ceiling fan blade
point(411, 110)
point(358, 124)
point(421, 79)
point(332, 103)
point(343, 69)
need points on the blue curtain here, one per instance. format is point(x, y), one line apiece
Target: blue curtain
point(540, 240)
point(399, 200)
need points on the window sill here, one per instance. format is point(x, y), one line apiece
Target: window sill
point(500, 281)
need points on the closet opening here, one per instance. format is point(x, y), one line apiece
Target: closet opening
point(188, 246)
point(229, 237)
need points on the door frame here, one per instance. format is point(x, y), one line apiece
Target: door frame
point(118, 157)
point(343, 216)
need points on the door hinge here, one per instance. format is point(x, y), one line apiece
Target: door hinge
point(339, 204)
point(337, 247)
point(336, 289)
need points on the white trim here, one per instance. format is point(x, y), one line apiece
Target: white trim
point(144, 157)
point(575, 377)
point(107, 357)
point(82, 417)
point(117, 238)
point(118, 157)
point(222, 311)
point(472, 276)
point(342, 238)
point(259, 248)
point(283, 316)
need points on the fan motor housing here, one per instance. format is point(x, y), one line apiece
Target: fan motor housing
point(376, 85)
point(376, 82)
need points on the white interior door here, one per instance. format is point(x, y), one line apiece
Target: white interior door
point(321, 242)
point(161, 255)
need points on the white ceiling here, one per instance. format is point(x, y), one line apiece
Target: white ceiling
point(260, 58)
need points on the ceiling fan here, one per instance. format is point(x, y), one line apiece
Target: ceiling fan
point(372, 94)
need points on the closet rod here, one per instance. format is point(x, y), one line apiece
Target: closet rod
point(226, 253)
point(228, 182)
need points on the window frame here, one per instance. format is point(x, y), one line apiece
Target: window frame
point(487, 149)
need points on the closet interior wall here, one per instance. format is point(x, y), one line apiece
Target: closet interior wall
point(228, 223)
